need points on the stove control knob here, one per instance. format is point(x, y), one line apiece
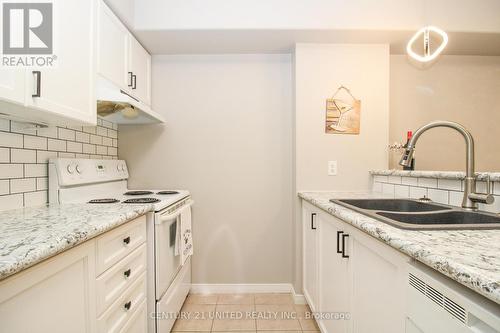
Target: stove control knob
point(70, 168)
point(119, 167)
point(79, 169)
point(123, 168)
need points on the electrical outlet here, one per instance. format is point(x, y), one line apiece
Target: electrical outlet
point(332, 168)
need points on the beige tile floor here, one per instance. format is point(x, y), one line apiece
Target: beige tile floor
point(244, 313)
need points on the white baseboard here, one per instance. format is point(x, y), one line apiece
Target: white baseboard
point(200, 288)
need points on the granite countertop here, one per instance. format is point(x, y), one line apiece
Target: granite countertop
point(494, 176)
point(31, 235)
point(470, 257)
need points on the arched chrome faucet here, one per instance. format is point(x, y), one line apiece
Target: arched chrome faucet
point(471, 197)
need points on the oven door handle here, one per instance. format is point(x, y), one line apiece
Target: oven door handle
point(169, 217)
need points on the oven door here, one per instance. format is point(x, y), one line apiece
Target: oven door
point(166, 261)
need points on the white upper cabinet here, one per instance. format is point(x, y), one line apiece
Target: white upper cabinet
point(62, 94)
point(67, 90)
point(121, 58)
point(12, 82)
point(140, 67)
point(112, 48)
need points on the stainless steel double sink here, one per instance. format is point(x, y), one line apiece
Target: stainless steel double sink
point(418, 215)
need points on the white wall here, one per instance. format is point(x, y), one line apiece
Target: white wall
point(228, 139)
point(319, 70)
point(453, 15)
point(457, 88)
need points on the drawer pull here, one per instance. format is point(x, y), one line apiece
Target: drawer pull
point(127, 273)
point(126, 241)
point(128, 305)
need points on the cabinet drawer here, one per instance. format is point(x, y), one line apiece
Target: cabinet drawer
point(138, 321)
point(112, 283)
point(114, 319)
point(118, 243)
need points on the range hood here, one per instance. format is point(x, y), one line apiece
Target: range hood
point(118, 107)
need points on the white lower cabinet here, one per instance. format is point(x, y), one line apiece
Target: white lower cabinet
point(68, 293)
point(360, 284)
point(56, 296)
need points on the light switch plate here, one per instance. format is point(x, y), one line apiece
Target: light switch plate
point(332, 168)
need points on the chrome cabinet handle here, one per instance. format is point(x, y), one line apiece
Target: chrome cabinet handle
point(38, 83)
point(344, 236)
point(313, 216)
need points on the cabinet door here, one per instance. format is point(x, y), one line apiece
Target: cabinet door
point(334, 277)
point(140, 66)
point(12, 84)
point(310, 256)
point(112, 48)
point(67, 90)
point(55, 296)
point(379, 286)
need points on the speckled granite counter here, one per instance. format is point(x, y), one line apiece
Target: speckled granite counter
point(494, 176)
point(470, 257)
point(31, 235)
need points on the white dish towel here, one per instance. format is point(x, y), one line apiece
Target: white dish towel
point(185, 237)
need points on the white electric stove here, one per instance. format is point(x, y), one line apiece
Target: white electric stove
point(169, 236)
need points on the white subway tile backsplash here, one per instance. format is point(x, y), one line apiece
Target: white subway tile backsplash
point(9, 171)
point(22, 185)
point(409, 181)
point(4, 186)
point(11, 201)
point(427, 182)
point(112, 133)
point(96, 140)
point(35, 142)
point(88, 149)
point(112, 151)
point(22, 156)
point(11, 140)
point(107, 142)
point(394, 179)
point(450, 184)
point(4, 125)
point(381, 179)
point(74, 147)
point(82, 137)
point(32, 199)
point(377, 187)
point(47, 132)
point(107, 124)
point(35, 170)
point(57, 145)
point(90, 129)
point(102, 131)
point(4, 155)
point(66, 134)
point(439, 196)
point(102, 150)
point(402, 191)
point(456, 198)
point(43, 156)
point(42, 184)
point(418, 192)
point(388, 189)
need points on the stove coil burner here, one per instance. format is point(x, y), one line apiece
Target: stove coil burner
point(138, 192)
point(167, 192)
point(103, 201)
point(141, 200)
